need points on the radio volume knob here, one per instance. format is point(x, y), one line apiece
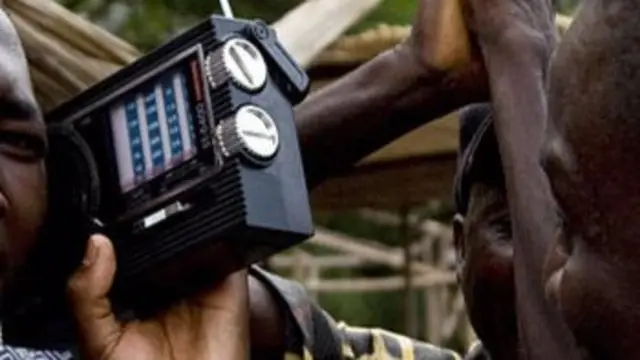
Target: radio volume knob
point(250, 132)
point(238, 61)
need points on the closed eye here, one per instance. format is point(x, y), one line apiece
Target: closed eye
point(22, 145)
point(502, 223)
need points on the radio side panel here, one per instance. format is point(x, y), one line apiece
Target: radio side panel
point(277, 197)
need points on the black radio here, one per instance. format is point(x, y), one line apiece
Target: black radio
point(188, 160)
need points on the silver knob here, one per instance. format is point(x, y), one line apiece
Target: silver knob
point(251, 131)
point(239, 61)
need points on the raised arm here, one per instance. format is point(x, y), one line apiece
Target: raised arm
point(425, 77)
point(517, 38)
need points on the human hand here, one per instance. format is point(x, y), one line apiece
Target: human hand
point(212, 325)
point(440, 42)
point(519, 25)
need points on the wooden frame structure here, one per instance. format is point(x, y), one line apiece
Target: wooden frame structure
point(427, 266)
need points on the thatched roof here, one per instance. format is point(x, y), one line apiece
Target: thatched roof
point(66, 53)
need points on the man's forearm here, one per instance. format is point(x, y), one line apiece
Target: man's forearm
point(519, 101)
point(365, 110)
point(517, 79)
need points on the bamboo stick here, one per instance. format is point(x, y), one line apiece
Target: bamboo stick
point(392, 283)
point(359, 48)
point(322, 262)
point(369, 250)
point(309, 28)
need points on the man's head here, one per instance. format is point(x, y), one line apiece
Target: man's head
point(591, 157)
point(483, 236)
point(22, 149)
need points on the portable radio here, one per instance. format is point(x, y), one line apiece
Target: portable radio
point(188, 159)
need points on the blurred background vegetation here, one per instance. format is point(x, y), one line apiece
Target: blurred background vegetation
point(146, 24)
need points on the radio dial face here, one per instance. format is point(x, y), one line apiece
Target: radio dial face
point(241, 62)
point(252, 132)
point(258, 132)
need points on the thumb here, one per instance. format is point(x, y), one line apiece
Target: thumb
point(88, 287)
point(442, 34)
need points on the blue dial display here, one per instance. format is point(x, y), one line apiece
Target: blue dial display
point(153, 130)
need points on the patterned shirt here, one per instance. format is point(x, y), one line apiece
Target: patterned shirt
point(312, 334)
point(14, 353)
point(9, 353)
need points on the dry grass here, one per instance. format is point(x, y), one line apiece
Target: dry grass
point(66, 53)
point(364, 46)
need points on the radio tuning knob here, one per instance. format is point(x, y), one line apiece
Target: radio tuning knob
point(251, 132)
point(239, 61)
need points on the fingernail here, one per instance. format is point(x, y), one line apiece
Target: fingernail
point(91, 253)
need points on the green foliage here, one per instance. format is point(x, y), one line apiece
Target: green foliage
point(380, 309)
point(394, 12)
point(567, 6)
point(373, 309)
point(146, 24)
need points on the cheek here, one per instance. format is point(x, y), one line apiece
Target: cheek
point(489, 267)
point(24, 187)
point(599, 311)
point(489, 256)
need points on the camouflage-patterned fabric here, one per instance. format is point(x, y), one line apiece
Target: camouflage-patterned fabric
point(314, 335)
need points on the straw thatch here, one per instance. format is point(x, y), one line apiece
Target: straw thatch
point(66, 53)
point(364, 46)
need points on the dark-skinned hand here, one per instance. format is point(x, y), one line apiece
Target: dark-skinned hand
point(525, 24)
point(439, 41)
point(213, 325)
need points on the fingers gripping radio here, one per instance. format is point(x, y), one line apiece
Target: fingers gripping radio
point(188, 159)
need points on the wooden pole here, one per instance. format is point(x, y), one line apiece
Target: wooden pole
point(456, 315)
point(314, 25)
point(404, 238)
point(323, 262)
point(313, 279)
point(430, 227)
point(368, 250)
point(300, 265)
point(432, 299)
point(391, 283)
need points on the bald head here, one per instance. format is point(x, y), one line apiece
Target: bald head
point(14, 70)
point(591, 159)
